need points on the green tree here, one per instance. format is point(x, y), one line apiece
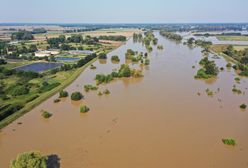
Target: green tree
point(76, 96)
point(29, 160)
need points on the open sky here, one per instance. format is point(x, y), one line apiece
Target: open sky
point(123, 11)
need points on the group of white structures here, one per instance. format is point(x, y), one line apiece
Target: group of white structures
point(47, 53)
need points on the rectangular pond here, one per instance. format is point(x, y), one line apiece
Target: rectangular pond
point(39, 67)
point(67, 59)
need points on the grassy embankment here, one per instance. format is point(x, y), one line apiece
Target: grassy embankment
point(44, 96)
point(219, 48)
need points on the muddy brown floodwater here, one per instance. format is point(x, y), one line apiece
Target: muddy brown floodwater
point(155, 121)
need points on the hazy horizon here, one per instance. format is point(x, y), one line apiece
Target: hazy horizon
point(121, 12)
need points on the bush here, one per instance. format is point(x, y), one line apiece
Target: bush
point(229, 65)
point(237, 79)
point(235, 90)
point(90, 87)
point(229, 142)
point(2, 62)
point(102, 56)
point(243, 106)
point(160, 47)
point(147, 62)
point(124, 71)
point(92, 67)
point(63, 93)
point(56, 100)
point(115, 58)
point(101, 78)
point(46, 114)
point(106, 91)
point(29, 160)
point(202, 75)
point(244, 73)
point(76, 96)
point(84, 109)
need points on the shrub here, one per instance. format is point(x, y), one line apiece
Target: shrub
point(76, 96)
point(115, 58)
point(209, 92)
point(129, 54)
point(56, 100)
point(147, 62)
point(244, 73)
point(99, 93)
point(63, 93)
point(102, 56)
point(106, 91)
point(101, 78)
point(202, 75)
point(235, 90)
point(90, 87)
point(229, 65)
point(46, 114)
point(29, 160)
point(84, 109)
point(243, 106)
point(160, 47)
point(92, 67)
point(237, 79)
point(229, 142)
point(124, 71)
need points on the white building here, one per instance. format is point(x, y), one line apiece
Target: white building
point(46, 53)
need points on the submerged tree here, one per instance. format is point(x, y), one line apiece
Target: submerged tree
point(29, 160)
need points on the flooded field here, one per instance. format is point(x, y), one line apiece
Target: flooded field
point(155, 121)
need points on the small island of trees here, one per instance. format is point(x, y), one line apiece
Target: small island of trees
point(209, 69)
point(76, 96)
point(29, 160)
point(115, 58)
point(124, 71)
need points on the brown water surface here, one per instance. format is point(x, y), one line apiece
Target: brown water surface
point(155, 121)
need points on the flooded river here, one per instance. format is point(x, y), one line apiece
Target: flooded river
point(155, 121)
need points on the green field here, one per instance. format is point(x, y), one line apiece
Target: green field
point(232, 38)
point(240, 47)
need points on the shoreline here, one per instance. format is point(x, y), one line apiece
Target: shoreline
point(50, 93)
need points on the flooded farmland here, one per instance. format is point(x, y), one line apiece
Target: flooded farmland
point(155, 121)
